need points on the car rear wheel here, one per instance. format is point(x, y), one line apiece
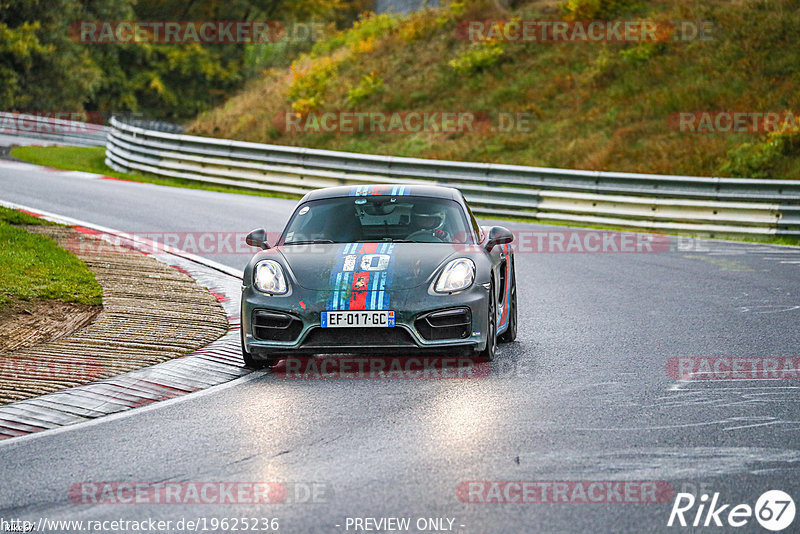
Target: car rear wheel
point(491, 329)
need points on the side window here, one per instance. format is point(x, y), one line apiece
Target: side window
point(475, 226)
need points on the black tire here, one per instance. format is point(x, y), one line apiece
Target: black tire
point(252, 363)
point(491, 329)
point(511, 332)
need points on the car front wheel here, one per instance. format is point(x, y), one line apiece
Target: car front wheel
point(491, 330)
point(511, 332)
point(250, 361)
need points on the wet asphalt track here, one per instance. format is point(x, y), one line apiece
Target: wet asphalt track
point(582, 395)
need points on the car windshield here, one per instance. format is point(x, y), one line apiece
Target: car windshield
point(410, 219)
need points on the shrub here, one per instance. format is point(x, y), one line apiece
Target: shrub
point(369, 27)
point(786, 141)
point(368, 86)
point(477, 57)
point(759, 160)
point(482, 54)
point(750, 160)
point(598, 9)
point(308, 88)
point(641, 52)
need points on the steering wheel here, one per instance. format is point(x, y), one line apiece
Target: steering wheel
point(429, 236)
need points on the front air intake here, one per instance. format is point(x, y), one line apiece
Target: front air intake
point(275, 326)
point(455, 323)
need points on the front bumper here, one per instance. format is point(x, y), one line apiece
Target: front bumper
point(294, 324)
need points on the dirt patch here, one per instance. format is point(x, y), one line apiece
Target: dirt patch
point(25, 323)
point(151, 313)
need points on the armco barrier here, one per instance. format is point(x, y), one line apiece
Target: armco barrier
point(31, 125)
point(716, 206)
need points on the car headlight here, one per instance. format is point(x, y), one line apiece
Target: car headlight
point(457, 275)
point(268, 277)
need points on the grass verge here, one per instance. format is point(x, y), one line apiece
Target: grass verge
point(33, 266)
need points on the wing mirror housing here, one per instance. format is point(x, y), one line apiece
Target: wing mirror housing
point(498, 235)
point(257, 238)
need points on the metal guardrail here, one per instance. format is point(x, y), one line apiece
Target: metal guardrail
point(136, 119)
point(715, 206)
point(30, 125)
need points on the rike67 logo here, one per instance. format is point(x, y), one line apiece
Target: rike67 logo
point(774, 510)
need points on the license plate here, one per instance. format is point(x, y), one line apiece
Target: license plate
point(339, 319)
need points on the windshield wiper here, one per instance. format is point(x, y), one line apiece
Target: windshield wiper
point(384, 240)
point(309, 242)
point(390, 240)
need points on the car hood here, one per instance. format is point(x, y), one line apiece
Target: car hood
point(395, 265)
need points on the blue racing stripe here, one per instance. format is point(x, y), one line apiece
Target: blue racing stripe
point(341, 283)
point(336, 291)
point(369, 190)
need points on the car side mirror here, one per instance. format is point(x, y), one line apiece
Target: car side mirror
point(498, 235)
point(257, 238)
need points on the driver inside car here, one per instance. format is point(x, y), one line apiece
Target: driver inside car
point(428, 221)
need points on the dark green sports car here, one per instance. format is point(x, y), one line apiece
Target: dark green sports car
point(379, 269)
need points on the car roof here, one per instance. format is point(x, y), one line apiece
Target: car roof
point(384, 189)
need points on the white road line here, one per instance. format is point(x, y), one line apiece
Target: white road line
point(126, 413)
point(81, 175)
point(19, 166)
